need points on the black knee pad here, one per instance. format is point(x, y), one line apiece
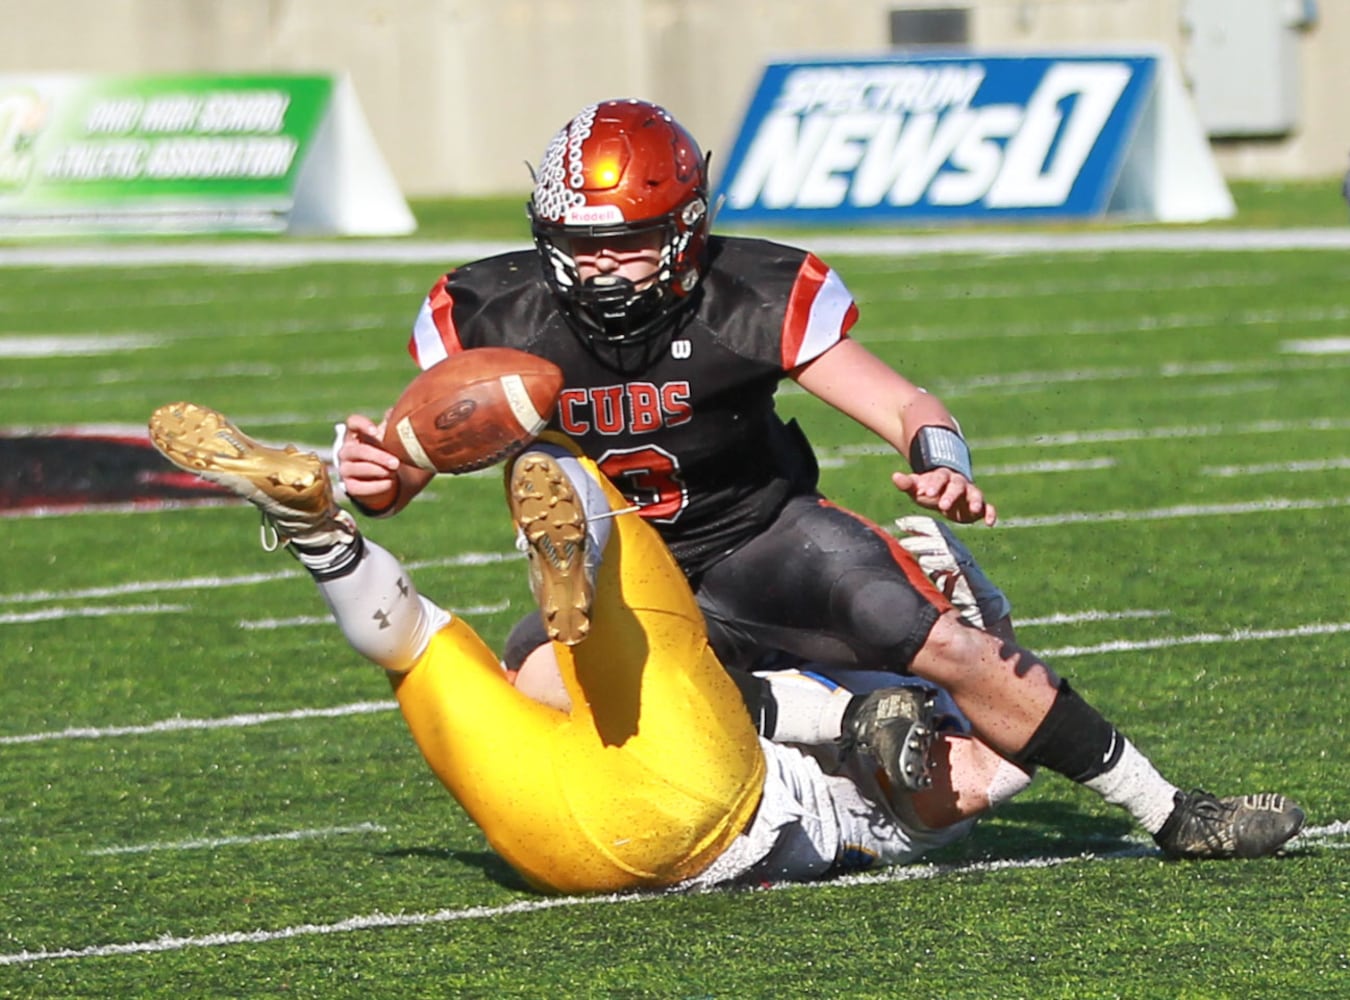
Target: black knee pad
point(886, 618)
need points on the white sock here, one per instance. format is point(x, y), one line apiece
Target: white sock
point(810, 710)
point(380, 612)
point(1135, 784)
point(1008, 780)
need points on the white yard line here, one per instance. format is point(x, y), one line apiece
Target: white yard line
point(366, 707)
point(1235, 637)
point(179, 725)
point(1267, 506)
point(59, 614)
point(1321, 345)
point(110, 378)
point(1314, 836)
point(1075, 617)
point(116, 383)
point(242, 580)
point(1111, 435)
point(264, 838)
point(72, 345)
point(1147, 324)
point(1100, 282)
point(1319, 465)
point(1046, 466)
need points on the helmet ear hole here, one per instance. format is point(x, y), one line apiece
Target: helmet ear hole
point(620, 168)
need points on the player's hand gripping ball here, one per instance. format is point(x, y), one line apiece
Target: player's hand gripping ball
point(473, 409)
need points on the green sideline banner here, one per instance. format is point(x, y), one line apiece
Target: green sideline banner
point(191, 154)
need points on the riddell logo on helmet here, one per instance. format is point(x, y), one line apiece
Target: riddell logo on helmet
point(592, 215)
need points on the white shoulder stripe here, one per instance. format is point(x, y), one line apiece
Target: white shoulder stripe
point(427, 339)
point(825, 326)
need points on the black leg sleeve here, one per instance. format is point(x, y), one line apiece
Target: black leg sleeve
point(1074, 739)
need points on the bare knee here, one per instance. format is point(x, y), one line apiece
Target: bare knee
point(959, 658)
point(540, 679)
point(952, 653)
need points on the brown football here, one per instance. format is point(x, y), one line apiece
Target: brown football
point(473, 409)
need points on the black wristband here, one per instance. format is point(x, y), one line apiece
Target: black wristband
point(938, 447)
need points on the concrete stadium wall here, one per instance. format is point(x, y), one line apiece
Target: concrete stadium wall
point(459, 93)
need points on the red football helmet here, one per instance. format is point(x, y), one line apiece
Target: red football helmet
point(616, 169)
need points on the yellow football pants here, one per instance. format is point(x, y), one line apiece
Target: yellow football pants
point(644, 783)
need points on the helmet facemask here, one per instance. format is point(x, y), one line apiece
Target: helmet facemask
point(610, 308)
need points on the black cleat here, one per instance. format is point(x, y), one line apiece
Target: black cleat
point(894, 725)
point(1245, 826)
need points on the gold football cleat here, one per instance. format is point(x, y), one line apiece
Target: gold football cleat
point(290, 487)
point(552, 523)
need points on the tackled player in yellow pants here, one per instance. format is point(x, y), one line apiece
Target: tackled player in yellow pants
point(655, 776)
point(656, 769)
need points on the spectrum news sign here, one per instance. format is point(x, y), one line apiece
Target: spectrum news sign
point(945, 138)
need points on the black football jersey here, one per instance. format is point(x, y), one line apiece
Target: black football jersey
point(685, 425)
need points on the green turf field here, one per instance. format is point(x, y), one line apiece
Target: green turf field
point(203, 792)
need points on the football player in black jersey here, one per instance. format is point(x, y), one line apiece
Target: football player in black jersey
point(673, 342)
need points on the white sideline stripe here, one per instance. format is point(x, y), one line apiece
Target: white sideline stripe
point(1269, 505)
point(1200, 639)
point(264, 838)
point(57, 614)
point(263, 624)
point(1320, 465)
point(384, 921)
point(227, 722)
point(255, 254)
point(1073, 618)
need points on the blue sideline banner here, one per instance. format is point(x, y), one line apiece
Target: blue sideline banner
point(970, 137)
